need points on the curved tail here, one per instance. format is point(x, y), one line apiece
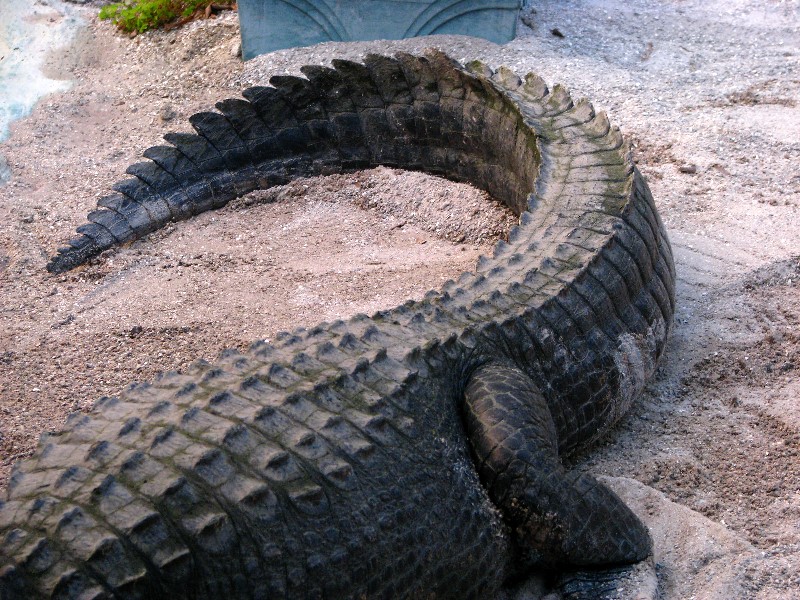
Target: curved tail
point(352, 116)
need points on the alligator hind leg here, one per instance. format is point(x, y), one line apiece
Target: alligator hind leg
point(557, 518)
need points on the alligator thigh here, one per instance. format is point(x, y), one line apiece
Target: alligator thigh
point(557, 518)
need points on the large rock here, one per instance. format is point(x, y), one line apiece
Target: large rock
point(695, 557)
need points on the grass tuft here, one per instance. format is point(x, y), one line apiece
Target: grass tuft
point(140, 15)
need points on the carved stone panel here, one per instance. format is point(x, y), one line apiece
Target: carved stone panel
point(269, 25)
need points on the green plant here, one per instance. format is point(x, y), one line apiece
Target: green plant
point(141, 15)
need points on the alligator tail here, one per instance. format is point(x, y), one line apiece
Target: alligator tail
point(334, 120)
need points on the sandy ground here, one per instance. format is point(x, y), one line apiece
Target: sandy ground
point(707, 91)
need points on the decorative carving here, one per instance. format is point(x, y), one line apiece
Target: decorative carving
point(443, 13)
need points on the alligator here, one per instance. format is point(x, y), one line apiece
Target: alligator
point(414, 453)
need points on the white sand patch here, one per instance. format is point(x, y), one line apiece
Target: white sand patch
point(28, 31)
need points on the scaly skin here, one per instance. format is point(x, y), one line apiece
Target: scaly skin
point(414, 453)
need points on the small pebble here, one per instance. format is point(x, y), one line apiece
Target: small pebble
point(167, 113)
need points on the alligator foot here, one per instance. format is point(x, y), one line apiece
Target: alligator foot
point(630, 582)
point(557, 518)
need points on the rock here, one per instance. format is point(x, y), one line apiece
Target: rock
point(695, 557)
point(688, 168)
point(5, 170)
point(528, 20)
point(167, 112)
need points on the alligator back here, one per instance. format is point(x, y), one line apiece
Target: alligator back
point(334, 462)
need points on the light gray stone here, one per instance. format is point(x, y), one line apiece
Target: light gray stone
point(5, 170)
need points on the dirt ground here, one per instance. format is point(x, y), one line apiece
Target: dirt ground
point(707, 92)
